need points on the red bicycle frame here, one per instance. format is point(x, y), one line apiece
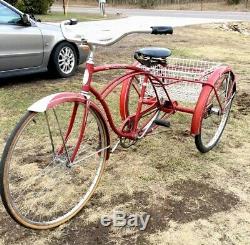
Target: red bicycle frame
point(130, 72)
point(154, 104)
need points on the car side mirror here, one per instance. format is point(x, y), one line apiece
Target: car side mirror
point(26, 20)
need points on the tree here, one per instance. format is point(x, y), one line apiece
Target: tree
point(65, 6)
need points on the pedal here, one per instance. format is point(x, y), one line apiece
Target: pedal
point(161, 122)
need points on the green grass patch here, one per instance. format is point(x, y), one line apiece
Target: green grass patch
point(58, 16)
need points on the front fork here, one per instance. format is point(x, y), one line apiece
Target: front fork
point(63, 148)
point(82, 131)
point(87, 78)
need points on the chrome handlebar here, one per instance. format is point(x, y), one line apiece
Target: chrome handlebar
point(157, 30)
point(76, 38)
point(113, 40)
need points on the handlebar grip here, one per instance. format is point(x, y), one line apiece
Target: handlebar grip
point(73, 22)
point(70, 22)
point(162, 30)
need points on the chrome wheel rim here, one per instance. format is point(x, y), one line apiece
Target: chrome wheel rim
point(216, 115)
point(66, 60)
point(48, 204)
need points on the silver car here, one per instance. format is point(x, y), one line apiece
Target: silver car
point(28, 46)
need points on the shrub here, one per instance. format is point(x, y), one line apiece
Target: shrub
point(12, 2)
point(146, 3)
point(32, 6)
point(37, 6)
point(233, 1)
point(20, 5)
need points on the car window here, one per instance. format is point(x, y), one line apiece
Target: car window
point(8, 16)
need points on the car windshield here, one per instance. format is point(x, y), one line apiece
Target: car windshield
point(8, 16)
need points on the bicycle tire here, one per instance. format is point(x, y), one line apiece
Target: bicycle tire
point(41, 192)
point(211, 129)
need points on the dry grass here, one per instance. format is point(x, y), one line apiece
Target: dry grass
point(192, 198)
point(206, 6)
point(58, 17)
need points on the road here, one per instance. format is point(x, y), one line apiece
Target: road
point(244, 16)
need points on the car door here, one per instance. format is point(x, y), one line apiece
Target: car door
point(20, 46)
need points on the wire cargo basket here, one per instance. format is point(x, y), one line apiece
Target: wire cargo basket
point(180, 78)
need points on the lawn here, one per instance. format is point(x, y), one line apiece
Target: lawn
point(192, 198)
point(57, 16)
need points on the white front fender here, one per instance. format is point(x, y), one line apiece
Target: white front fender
point(42, 104)
point(52, 100)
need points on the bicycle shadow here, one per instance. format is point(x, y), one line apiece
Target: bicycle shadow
point(37, 78)
point(26, 79)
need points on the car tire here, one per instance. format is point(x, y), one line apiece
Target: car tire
point(63, 61)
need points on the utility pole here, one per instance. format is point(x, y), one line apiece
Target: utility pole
point(201, 5)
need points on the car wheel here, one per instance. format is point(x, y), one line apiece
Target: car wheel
point(63, 60)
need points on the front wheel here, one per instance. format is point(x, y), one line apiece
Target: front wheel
point(52, 164)
point(216, 113)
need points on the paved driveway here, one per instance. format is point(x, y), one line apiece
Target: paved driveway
point(143, 19)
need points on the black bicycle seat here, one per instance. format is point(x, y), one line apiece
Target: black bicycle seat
point(152, 55)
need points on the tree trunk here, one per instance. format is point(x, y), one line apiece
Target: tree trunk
point(64, 7)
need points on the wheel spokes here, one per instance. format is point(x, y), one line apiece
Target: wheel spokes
point(44, 187)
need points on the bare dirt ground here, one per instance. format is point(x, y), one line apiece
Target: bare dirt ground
point(192, 198)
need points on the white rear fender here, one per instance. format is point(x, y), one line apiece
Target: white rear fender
point(54, 99)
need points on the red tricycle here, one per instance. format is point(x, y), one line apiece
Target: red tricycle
point(56, 154)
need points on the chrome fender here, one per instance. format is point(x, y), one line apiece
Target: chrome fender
point(205, 92)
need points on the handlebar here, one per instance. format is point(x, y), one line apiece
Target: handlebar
point(76, 38)
point(156, 30)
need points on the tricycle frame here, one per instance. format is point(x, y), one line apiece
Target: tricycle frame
point(207, 87)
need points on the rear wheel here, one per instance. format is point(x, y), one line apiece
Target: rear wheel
point(129, 101)
point(41, 186)
point(214, 118)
